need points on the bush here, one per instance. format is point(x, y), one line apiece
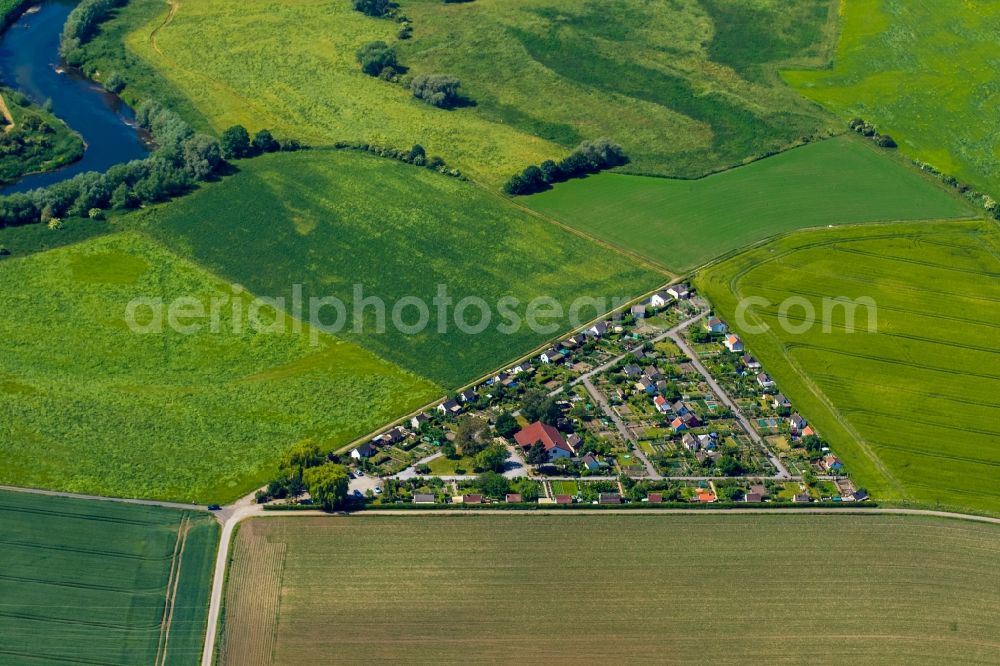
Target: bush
point(589, 157)
point(264, 142)
point(438, 90)
point(374, 7)
point(377, 57)
point(235, 142)
point(82, 23)
point(115, 83)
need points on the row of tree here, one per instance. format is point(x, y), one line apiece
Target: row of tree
point(182, 159)
point(865, 128)
point(416, 156)
point(82, 24)
point(380, 60)
point(307, 468)
point(588, 158)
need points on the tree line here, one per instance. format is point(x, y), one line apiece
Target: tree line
point(82, 24)
point(182, 159)
point(589, 157)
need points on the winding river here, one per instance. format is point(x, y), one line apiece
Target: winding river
point(29, 62)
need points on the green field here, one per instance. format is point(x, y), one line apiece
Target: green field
point(687, 88)
point(682, 224)
point(102, 583)
point(925, 72)
point(328, 220)
point(519, 589)
point(89, 406)
point(913, 408)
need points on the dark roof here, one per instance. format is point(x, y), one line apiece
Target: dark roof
point(610, 498)
point(752, 497)
point(423, 498)
point(472, 499)
point(564, 499)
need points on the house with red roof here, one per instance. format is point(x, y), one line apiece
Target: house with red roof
point(547, 436)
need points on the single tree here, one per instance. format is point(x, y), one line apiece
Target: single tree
point(327, 484)
point(235, 142)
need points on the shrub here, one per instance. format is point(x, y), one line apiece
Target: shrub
point(438, 90)
point(376, 57)
point(264, 142)
point(115, 83)
point(589, 157)
point(373, 7)
point(235, 142)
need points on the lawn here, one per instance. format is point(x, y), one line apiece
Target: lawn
point(328, 221)
point(445, 466)
point(89, 406)
point(682, 224)
point(90, 582)
point(925, 72)
point(699, 589)
point(911, 408)
point(564, 488)
point(687, 88)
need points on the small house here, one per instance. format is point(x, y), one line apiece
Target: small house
point(363, 452)
point(646, 385)
point(832, 464)
point(609, 498)
point(780, 401)
point(715, 325)
point(764, 380)
point(733, 343)
point(802, 498)
point(423, 498)
point(796, 422)
point(449, 407)
point(652, 372)
point(661, 404)
point(419, 420)
point(749, 362)
point(514, 498)
point(690, 442)
point(590, 462)
point(661, 299)
point(654, 498)
point(753, 498)
point(551, 356)
point(679, 291)
point(598, 330)
point(632, 370)
point(564, 499)
point(638, 311)
point(468, 395)
point(544, 434)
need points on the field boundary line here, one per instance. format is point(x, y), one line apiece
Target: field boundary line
point(173, 583)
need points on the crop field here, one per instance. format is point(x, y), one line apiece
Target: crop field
point(911, 403)
point(102, 583)
point(925, 72)
point(706, 589)
point(328, 220)
point(90, 406)
point(687, 88)
point(682, 224)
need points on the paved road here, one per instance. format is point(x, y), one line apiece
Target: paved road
point(411, 471)
point(727, 401)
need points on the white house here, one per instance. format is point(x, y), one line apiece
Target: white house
point(679, 291)
point(660, 299)
point(733, 343)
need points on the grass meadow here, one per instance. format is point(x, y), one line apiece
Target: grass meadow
point(924, 72)
point(328, 220)
point(913, 408)
point(89, 406)
point(687, 88)
point(91, 582)
point(706, 589)
point(682, 224)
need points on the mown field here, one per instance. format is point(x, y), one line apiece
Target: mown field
point(682, 224)
point(90, 406)
point(924, 72)
point(687, 88)
point(330, 220)
point(102, 583)
point(912, 408)
point(705, 589)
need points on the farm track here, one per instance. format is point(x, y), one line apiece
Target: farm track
point(173, 581)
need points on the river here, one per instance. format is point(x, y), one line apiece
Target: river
point(30, 63)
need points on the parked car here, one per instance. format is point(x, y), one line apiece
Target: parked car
point(214, 507)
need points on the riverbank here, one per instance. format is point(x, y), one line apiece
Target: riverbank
point(64, 99)
point(33, 141)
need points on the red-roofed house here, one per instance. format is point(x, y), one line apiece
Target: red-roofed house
point(547, 436)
